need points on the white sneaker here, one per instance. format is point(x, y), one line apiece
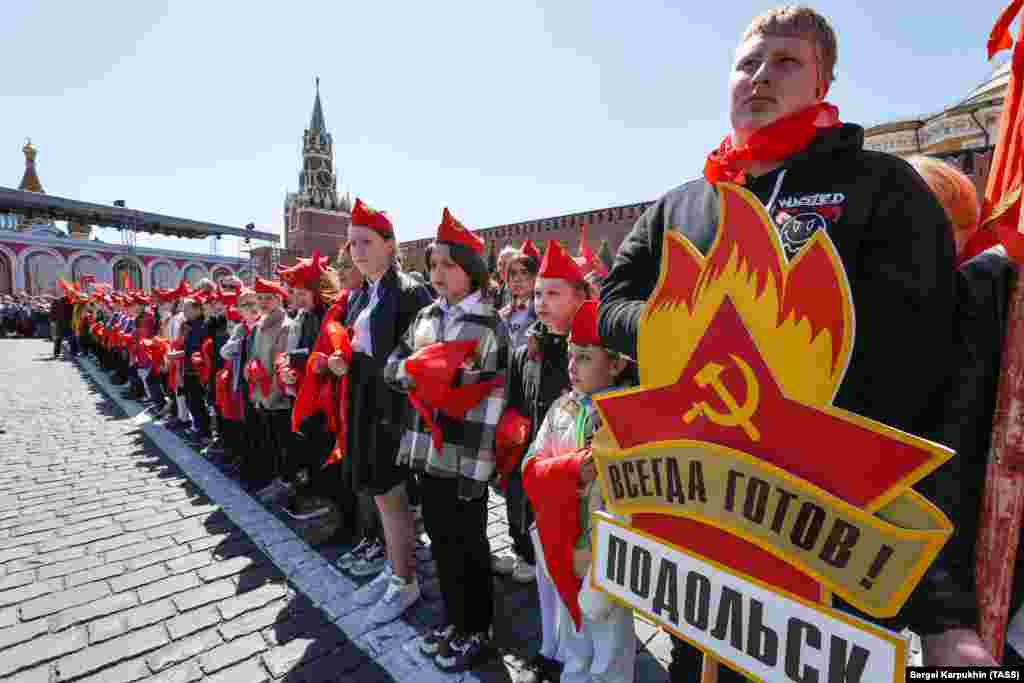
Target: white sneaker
point(400, 596)
point(371, 562)
point(373, 591)
point(503, 565)
point(524, 572)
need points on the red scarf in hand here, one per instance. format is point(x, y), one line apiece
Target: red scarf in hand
point(256, 375)
point(775, 142)
point(550, 483)
point(432, 370)
point(229, 402)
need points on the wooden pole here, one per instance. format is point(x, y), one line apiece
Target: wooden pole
point(1003, 501)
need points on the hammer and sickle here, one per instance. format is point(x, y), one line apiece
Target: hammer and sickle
point(737, 415)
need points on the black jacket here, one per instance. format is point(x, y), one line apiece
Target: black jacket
point(376, 412)
point(538, 373)
point(896, 245)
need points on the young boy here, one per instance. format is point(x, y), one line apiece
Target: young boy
point(596, 643)
point(538, 375)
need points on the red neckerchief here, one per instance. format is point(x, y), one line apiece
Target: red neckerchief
point(775, 142)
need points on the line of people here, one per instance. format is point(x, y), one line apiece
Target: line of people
point(337, 412)
point(380, 395)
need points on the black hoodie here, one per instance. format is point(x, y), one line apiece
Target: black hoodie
point(896, 246)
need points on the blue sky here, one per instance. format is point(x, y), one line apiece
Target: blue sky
point(502, 111)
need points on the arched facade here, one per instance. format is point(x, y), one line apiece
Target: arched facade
point(220, 272)
point(130, 266)
point(41, 267)
point(87, 264)
point(163, 274)
point(7, 271)
point(193, 273)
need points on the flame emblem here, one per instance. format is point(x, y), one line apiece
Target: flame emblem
point(799, 313)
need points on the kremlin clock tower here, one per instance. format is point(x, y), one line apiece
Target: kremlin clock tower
point(315, 217)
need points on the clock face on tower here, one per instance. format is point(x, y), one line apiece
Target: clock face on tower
point(323, 179)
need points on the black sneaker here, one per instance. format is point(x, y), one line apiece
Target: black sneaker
point(465, 652)
point(435, 641)
point(540, 669)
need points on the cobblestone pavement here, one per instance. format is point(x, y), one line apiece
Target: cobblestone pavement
point(125, 556)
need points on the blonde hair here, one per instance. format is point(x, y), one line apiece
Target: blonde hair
point(955, 192)
point(800, 21)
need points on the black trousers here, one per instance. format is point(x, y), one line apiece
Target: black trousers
point(266, 460)
point(520, 517)
point(458, 541)
point(196, 400)
point(688, 662)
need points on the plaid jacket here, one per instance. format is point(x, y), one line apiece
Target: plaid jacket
point(468, 449)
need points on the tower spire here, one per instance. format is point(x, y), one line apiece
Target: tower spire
point(30, 180)
point(316, 122)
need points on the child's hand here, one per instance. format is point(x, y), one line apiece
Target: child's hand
point(588, 471)
point(336, 363)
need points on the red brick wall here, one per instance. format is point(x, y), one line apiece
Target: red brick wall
point(313, 230)
point(612, 224)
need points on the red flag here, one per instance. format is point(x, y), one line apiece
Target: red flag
point(1000, 211)
point(590, 262)
point(126, 281)
point(1002, 505)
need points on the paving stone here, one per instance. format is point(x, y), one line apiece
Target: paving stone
point(58, 602)
point(22, 632)
point(254, 599)
point(139, 578)
point(93, 610)
point(137, 550)
point(18, 580)
point(232, 653)
point(255, 620)
point(38, 675)
point(16, 553)
point(44, 559)
point(150, 522)
point(161, 589)
point(69, 567)
point(118, 541)
point(47, 525)
point(182, 650)
point(8, 617)
point(99, 573)
point(229, 567)
point(303, 649)
point(250, 672)
point(205, 595)
point(112, 651)
point(193, 621)
point(158, 557)
point(186, 673)
point(80, 539)
point(129, 620)
point(126, 672)
point(32, 590)
point(189, 562)
point(42, 649)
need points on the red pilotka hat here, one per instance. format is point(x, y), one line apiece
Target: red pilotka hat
point(528, 249)
point(270, 287)
point(364, 216)
point(559, 265)
point(306, 273)
point(584, 326)
point(451, 231)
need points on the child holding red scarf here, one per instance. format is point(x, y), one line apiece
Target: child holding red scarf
point(593, 638)
point(453, 448)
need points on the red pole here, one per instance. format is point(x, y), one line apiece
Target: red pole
point(1003, 502)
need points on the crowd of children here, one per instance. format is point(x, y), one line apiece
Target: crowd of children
point(361, 396)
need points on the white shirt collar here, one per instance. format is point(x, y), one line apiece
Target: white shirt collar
point(467, 303)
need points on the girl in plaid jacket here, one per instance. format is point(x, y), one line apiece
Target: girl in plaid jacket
point(454, 479)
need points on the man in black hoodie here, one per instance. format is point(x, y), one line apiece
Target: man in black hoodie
point(812, 173)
